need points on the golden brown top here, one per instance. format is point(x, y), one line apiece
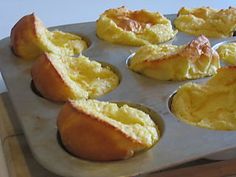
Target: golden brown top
point(136, 28)
point(134, 21)
point(207, 21)
point(170, 62)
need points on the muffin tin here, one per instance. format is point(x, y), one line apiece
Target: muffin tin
point(178, 143)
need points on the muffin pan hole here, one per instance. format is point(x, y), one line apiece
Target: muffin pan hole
point(170, 99)
point(87, 41)
point(59, 141)
point(128, 59)
point(35, 90)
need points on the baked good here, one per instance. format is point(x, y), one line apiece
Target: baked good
point(207, 21)
point(103, 131)
point(59, 78)
point(170, 62)
point(209, 105)
point(30, 38)
point(136, 28)
point(227, 52)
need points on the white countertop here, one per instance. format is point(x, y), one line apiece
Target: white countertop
point(54, 13)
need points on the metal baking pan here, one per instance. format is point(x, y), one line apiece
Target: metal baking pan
point(179, 142)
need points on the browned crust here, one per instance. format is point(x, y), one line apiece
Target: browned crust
point(48, 79)
point(198, 12)
point(197, 49)
point(180, 11)
point(202, 12)
point(23, 34)
point(89, 137)
point(128, 20)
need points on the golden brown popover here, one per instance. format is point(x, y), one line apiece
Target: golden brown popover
point(207, 21)
point(135, 28)
point(209, 105)
point(170, 62)
point(103, 131)
point(30, 38)
point(59, 78)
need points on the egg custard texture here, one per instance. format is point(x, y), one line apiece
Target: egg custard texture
point(170, 62)
point(59, 78)
point(135, 28)
point(104, 131)
point(30, 38)
point(207, 21)
point(227, 53)
point(210, 105)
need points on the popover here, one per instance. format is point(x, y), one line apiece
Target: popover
point(59, 78)
point(207, 21)
point(123, 26)
point(30, 38)
point(170, 62)
point(103, 131)
point(210, 105)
